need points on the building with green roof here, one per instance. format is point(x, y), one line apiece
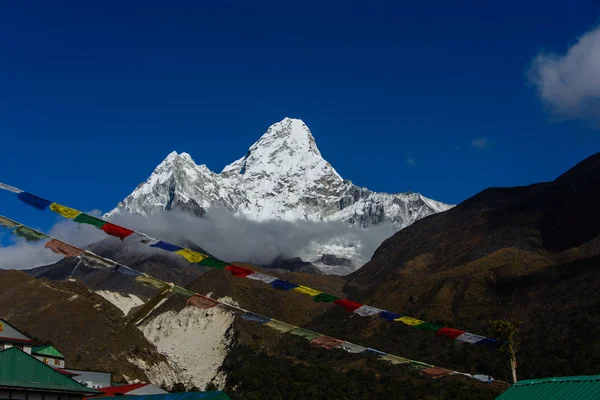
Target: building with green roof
point(24, 377)
point(565, 388)
point(49, 355)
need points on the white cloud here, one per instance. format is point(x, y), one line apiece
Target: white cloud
point(24, 255)
point(221, 233)
point(569, 84)
point(480, 143)
point(234, 238)
point(411, 161)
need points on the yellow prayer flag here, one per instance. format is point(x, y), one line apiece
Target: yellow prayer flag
point(395, 359)
point(306, 290)
point(66, 212)
point(150, 281)
point(191, 256)
point(280, 326)
point(410, 321)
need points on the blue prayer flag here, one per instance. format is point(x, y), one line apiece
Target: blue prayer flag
point(125, 270)
point(250, 316)
point(166, 246)
point(283, 285)
point(389, 316)
point(34, 201)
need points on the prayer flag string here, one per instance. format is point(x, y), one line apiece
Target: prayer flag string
point(206, 260)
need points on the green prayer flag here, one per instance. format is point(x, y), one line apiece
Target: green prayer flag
point(29, 234)
point(324, 298)
point(213, 263)
point(419, 364)
point(305, 333)
point(183, 291)
point(427, 326)
point(88, 219)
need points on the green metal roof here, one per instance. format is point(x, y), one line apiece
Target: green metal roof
point(565, 388)
point(20, 370)
point(49, 351)
point(213, 395)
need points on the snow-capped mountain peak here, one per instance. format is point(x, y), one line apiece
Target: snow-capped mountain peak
point(282, 176)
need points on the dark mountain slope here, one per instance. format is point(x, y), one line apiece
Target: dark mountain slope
point(530, 253)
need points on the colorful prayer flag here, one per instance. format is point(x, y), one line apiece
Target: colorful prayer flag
point(395, 359)
point(29, 234)
point(326, 342)
point(436, 372)
point(351, 347)
point(238, 271)
point(66, 212)
point(150, 281)
point(88, 219)
point(63, 248)
point(166, 246)
point(181, 291)
point(122, 269)
point(191, 256)
point(306, 290)
point(483, 378)
point(283, 285)
point(34, 201)
point(10, 188)
point(410, 321)
point(145, 239)
point(427, 326)
point(257, 276)
point(389, 316)
point(201, 302)
point(213, 263)
point(348, 305)
point(374, 352)
point(147, 308)
point(280, 326)
point(250, 316)
point(324, 298)
point(449, 333)
point(8, 223)
point(96, 260)
point(469, 338)
point(419, 364)
point(305, 333)
point(116, 230)
point(367, 311)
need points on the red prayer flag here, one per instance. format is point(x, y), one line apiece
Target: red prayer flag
point(240, 272)
point(116, 230)
point(348, 305)
point(326, 342)
point(201, 302)
point(449, 332)
point(63, 248)
point(436, 372)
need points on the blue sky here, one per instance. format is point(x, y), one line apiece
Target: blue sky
point(432, 97)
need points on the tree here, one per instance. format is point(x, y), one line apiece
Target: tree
point(509, 332)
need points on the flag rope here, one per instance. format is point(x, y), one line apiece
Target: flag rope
point(205, 260)
point(316, 339)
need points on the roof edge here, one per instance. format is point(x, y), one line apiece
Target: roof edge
point(583, 378)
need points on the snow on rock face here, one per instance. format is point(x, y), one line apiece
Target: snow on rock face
point(282, 176)
point(158, 374)
point(124, 302)
point(194, 341)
